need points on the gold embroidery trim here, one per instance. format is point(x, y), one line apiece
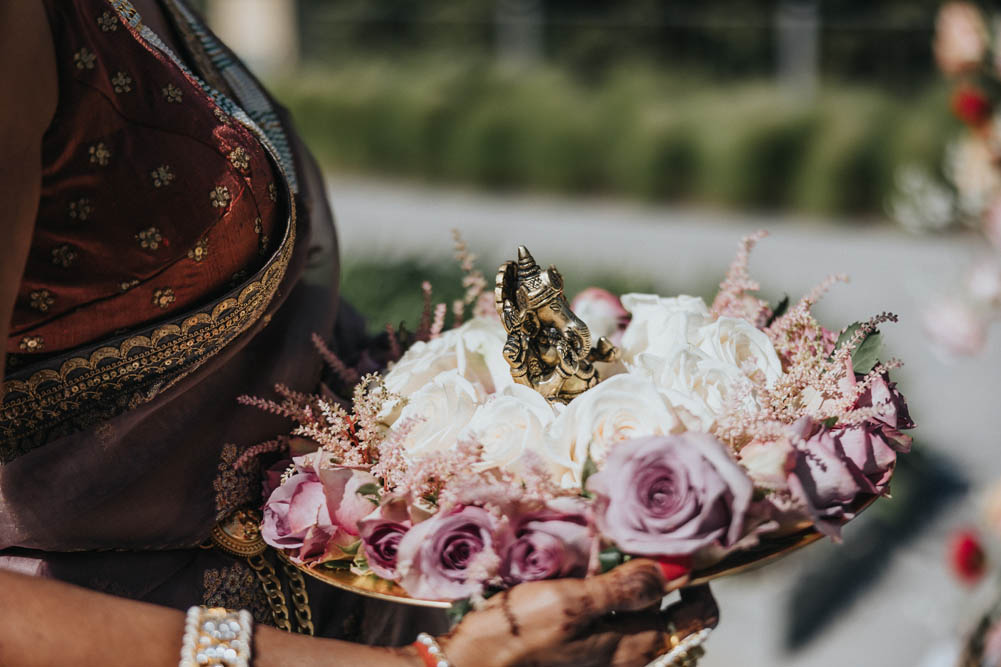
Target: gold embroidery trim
point(84, 390)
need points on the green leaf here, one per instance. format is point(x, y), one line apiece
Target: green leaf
point(352, 549)
point(865, 356)
point(779, 310)
point(609, 558)
point(337, 565)
point(458, 610)
point(590, 467)
point(371, 491)
point(830, 422)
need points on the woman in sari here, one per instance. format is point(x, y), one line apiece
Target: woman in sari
point(167, 248)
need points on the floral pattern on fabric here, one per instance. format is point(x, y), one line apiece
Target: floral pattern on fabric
point(138, 140)
point(236, 587)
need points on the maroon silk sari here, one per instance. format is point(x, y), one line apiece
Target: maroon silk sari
point(119, 426)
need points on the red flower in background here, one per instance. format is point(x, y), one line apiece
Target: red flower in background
point(971, 105)
point(966, 555)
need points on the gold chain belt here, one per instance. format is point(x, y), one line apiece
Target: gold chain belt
point(239, 535)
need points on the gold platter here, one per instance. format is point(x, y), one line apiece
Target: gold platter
point(770, 549)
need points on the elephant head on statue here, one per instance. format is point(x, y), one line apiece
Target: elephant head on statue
point(548, 346)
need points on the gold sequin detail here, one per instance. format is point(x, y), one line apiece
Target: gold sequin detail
point(108, 22)
point(272, 192)
point(240, 159)
point(219, 196)
point(32, 344)
point(63, 256)
point(80, 209)
point(257, 225)
point(264, 243)
point(150, 238)
point(172, 93)
point(121, 82)
point(84, 58)
point(126, 285)
point(162, 176)
point(220, 115)
point(200, 251)
point(100, 154)
point(162, 298)
point(41, 300)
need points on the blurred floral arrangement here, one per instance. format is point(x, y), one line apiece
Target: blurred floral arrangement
point(973, 557)
point(967, 51)
point(721, 426)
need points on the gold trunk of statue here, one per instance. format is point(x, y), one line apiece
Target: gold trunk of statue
point(548, 347)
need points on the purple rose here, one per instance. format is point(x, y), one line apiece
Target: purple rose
point(381, 534)
point(833, 466)
point(894, 415)
point(671, 495)
point(296, 516)
point(316, 511)
point(555, 542)
point(450, 555)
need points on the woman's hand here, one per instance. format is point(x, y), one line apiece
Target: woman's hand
point(612, 619)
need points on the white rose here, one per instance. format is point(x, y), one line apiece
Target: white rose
point(474, 349)
point(512, 422)
point(739, 343)
point(438, 412)
point(620, 408)
point(696, 386)
point(696, 361)
point(661, 325)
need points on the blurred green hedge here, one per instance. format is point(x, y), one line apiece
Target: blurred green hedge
point(639, 133)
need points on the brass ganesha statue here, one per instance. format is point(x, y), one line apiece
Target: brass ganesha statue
point(548, 347)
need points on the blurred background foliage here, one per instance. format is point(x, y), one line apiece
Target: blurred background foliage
point(663, 101)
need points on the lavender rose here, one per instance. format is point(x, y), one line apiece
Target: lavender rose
point(833, 466)
point(381, 534)
point(671, 495)
point(450, 555)
point(555, 542)
point(296, 517)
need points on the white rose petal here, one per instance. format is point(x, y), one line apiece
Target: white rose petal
point(474, 349)
point(700, 364)
point(439, 411)
point(660, 324)
point(620, 408)
point(740, 344)
point(511, 423)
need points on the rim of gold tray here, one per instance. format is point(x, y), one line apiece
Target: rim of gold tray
point(770, 549)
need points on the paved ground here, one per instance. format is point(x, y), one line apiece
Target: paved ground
point(915, 608)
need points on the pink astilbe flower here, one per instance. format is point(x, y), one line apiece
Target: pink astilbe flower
point(278, 445)
point(395, 351)
point(424, 328)
point(735, 298)
point(472, 279)
point(439, 320)
point(347, 375)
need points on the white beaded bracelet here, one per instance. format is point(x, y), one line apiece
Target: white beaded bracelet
point(216, 637)
point(430, 651)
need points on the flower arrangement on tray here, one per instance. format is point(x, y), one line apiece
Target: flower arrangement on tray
point(974, 552)
point(509, 448)
point(968, 52)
